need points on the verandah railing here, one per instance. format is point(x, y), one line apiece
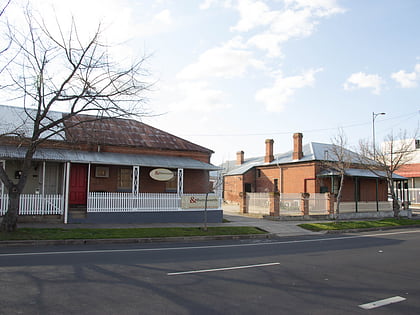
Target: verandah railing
point(35, 204)
point(129, 202)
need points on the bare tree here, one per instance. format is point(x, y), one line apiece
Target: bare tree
point(396, 152)
point(5, 45)
point(62, 71)
point(339, 159)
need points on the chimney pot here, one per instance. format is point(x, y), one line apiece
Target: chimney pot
point(269, 157)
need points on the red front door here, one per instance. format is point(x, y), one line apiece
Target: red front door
point(78, 184)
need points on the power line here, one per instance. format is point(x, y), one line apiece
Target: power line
point(304, 131)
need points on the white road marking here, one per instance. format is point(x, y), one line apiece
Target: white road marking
point(371, 305)
point(221, 269)
point(101, 251)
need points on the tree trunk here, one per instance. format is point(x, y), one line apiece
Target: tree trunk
point(339, 196)
point(9, 222)
point(395, 203)
point(395, 206)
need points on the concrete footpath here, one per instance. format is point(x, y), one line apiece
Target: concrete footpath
point(274, 228)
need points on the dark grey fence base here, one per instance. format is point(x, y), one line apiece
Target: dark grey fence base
point(213, 216)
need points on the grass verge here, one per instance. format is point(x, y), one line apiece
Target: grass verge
point(346, 225)
point(81, 233)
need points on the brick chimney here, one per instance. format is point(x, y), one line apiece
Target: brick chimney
point(239, 157)
point(297, 146)
point(269, 157)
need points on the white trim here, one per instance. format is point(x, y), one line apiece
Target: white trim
point(88, 180)
point(2, 184)
point(180, 178)
point(43, 178)
point(136, 179)
point(67, 193)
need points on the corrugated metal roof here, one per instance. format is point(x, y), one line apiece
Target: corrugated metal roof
point(13, 118)
point(109, 131)
point(356, 172)
point(126, 132)
point(313, 151)
point(108, 158)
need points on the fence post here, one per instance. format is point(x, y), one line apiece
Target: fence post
point(274, 204)
point(242, 203)
point(330, 203)
point(304, 204)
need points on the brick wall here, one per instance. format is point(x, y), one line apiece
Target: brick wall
point(232, 186)
point(196, 181)
point(265, 179)
point(106, 184)
point(294, 177)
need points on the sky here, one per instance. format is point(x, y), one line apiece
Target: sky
point(229, 74)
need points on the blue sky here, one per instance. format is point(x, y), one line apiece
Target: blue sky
point(231, 73)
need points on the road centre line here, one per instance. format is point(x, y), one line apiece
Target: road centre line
point(372, 305)
point(103, 251)
point(221, 269)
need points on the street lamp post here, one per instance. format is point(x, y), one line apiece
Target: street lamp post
point(374, 115)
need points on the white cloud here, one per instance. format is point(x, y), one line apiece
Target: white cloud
point(321, 7)
point(164, 17)
point(253, 14)
point(297, 19)
point(283, 89)
point(407, 79)
point(362, 80)
point(196, 96)
point(226, 61)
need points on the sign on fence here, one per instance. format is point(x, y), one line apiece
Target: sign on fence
point(198, 202)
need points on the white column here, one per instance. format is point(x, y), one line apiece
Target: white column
point(67, 192)
point(136, 179)
point(88, 180)
point(180, 186)
point(2, 164)
point(43, 178)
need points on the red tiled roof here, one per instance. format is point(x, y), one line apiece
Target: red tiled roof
point(126, 132)
point(409, 170)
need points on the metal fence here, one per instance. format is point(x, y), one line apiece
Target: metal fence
point(364, 206)
point(412, 195)
point(289, 204)
point(258, 203)
point(34, 204)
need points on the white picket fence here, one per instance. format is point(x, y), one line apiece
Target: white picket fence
point(34, 204)
point(129, 202)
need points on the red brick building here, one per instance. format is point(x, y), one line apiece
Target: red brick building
point(103, 160)
point(304, 169)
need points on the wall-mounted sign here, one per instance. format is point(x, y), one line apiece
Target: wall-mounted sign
point(198, 202)
point(161, 174)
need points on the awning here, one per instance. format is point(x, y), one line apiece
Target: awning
point(107, 158)
point(356, 172)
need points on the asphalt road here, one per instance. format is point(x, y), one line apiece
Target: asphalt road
point(328, 274)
